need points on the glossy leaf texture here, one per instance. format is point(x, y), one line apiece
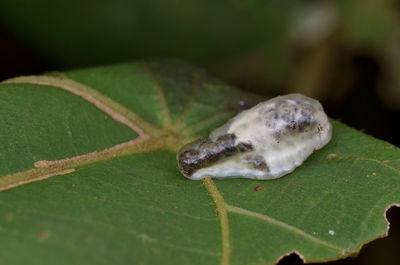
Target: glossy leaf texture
point(89, 176)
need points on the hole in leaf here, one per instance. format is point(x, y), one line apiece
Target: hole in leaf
point(381, 251)
point(292, 259)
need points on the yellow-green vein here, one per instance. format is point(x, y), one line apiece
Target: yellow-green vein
point(166, 114)
point(46, 169)
point(382, 163)
point(195, 88)
point(198, 126)
point(220, 206)
point(281, 224)
point(109, 106)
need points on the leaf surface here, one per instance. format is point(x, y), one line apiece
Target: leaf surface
point(102, 142)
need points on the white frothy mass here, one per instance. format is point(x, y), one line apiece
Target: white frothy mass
point(279, 134)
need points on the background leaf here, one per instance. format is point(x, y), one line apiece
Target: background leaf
point(121, 199)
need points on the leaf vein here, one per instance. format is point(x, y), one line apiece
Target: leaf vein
point(382, 163)
point(220, 206)
point(46, 169)
point(201, 124)
point(166, 113)
point(281, 224)
point(191, 99)
point(107, 105)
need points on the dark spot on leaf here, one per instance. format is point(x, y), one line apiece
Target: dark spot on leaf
point(43, 235)
point(258, 188)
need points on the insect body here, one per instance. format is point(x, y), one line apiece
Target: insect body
point(265, 142)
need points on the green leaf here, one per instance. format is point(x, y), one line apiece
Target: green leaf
point(97, 148)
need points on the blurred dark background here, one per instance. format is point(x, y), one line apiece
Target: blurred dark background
point(346, 53)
